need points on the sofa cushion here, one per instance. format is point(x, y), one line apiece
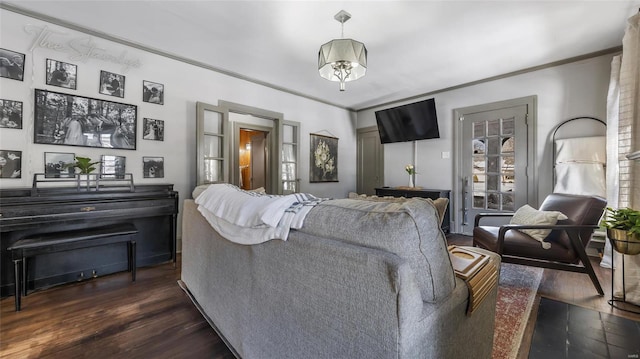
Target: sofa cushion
point(408, 228)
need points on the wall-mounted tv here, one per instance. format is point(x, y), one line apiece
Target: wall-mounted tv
point(412, 122)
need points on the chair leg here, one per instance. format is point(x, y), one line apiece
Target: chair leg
point(132, 259)
point(586, 262)
point(592, 274)
point(25, 278)
point(17, 269)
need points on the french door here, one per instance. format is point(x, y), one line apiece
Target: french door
point(495, 149)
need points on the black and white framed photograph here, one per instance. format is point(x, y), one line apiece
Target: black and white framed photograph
point(10, 164)
point(152, 92)
point(153, 167)
point(153, 129)
point(112, 166)
point(111, 84)
point(11, 64)
point(61, 74)
point(64, 119)
point(323, 162)
point(59, 165)
point(10, 114)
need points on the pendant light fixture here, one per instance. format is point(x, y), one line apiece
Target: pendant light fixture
point(342, 60)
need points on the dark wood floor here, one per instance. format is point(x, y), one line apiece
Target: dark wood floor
point(109, 317)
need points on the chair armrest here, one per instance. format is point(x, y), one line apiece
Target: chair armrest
point(566, 227)
point(483, 215)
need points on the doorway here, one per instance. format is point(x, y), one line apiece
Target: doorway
point(253, 159)
point(495, 153)
point(370, 158)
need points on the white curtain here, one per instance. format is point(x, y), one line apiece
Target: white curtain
point(627, 127)
point(613, 174)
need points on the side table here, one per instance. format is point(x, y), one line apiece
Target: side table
point(617, 302)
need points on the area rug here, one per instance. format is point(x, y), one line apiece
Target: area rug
point(516, 294)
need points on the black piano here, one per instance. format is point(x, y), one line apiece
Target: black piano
point(152, 209)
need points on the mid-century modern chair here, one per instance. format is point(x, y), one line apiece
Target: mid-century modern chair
point(568, 238)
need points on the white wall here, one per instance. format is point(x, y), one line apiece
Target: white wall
point(185, 84)
point(563, 92)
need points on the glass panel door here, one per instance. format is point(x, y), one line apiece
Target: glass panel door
point(494, 162)
point(290, 155)
point(212, 144)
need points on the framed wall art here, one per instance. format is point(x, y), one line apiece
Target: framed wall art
point(10, 164)
point(61, 74)
point(10, 114)
point(59, 165)
point(111, 84)
point(152, 92)
point(323, 161)
point(11, 64)
point(113, 166)
point(64, 119)
point(153, 129)
point(153, 167)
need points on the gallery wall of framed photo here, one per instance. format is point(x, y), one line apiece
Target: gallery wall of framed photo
point(127, 107)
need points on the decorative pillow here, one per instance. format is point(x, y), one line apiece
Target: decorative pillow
point(441, 206)
point(374, 198)
point(529, 215)
point(198, 190)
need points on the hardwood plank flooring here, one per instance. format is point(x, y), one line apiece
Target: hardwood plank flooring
point(110, 317)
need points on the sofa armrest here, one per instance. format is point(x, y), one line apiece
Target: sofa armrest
point(447, 329)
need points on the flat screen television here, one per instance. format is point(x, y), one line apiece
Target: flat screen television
point(411, 122)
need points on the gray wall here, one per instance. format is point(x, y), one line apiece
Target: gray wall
point(563, 92)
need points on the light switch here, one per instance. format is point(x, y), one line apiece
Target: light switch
point(446, 154)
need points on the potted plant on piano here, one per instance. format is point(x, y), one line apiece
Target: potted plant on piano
point(86, 166)
point(623, 229)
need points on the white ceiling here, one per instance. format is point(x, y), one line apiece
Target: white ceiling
point(415, 47)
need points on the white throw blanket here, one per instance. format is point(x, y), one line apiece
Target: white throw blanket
point(246, 217)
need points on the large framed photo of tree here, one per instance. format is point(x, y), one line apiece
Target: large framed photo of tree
point(64, 119)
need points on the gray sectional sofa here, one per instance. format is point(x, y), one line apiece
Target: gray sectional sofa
point(361, 279)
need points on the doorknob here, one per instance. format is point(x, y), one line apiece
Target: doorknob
point(465, 198)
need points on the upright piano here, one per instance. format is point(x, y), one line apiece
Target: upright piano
point(153, 209)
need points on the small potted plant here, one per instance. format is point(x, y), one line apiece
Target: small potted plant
point(86, 166)
point(623, 229)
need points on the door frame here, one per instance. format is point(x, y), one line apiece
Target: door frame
point(275, 143)
point(269, 154)
point(532, 174)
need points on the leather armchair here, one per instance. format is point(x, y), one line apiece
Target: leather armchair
point(568, 237)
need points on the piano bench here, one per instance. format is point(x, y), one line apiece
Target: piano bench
point(52, 242)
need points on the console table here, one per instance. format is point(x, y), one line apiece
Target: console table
point(423, 193)
point(24, 213)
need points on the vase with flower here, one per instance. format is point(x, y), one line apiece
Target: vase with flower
point(411, 170)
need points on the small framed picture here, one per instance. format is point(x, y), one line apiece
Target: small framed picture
point(61, 74)
point(153, 129)
point(10, 114)
point(111, 84)
point(11, 64)
point(113, 166)
point(59, 165)
point(153, 167)
point(153, 92)
point(10, 164)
